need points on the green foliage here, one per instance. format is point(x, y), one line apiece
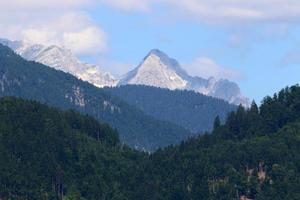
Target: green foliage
point(187, 109)
point(217, 122)
point(273, 114)
point(30, 80)
point(50, 154)
point(242, 158)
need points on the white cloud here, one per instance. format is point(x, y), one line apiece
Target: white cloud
point(220, 11)
point(48, 22)
point(118, 69)
point(130, 5)
point(88, 41)
point(61, 21)
point(30, 5)
point(39, 36)
point(206, 68)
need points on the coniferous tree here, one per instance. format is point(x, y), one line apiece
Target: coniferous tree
point(217, 122)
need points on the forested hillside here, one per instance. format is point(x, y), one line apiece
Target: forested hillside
point(31, 80)
point(49, 154)
point(191, 110)
point(255, 155)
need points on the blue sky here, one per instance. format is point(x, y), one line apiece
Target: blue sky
point(255, 43)
point(257, 51)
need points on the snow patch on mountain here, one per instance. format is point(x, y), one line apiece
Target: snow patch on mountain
point(154, 72)
point(159, 70)
point(62, 59)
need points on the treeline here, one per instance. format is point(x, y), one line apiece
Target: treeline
point(49, 154)
point(255, 154)
point(193, 111)
point(274, 113)
point(34, 81)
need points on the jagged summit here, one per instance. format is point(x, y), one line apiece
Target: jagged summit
point(157, 52)
point(62, 59)
point(162, 55)
point(156, 69)
point(159, 70)
point(170, 62)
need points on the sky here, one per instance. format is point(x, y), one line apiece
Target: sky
point(252, 42)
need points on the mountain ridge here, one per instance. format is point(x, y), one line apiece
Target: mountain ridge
point(159, 70)
point(156, 69)
point(35, 81)
point(61, 58)
point(50, 154)
point(188, 109)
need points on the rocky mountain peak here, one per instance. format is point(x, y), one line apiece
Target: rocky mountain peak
point(159, 70)
point(62, 59)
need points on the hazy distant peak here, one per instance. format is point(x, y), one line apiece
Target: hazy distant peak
point(63, 59)
point(159, 70)
point(158, 53)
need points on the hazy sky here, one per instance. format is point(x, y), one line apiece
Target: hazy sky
point(253, 42)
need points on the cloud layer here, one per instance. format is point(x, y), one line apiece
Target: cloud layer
point(47, 23)
point(37, 5)
point(63, 22)
point(219, 11)
point(206, 68)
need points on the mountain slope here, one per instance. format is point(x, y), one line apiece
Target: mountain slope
point(188, 109)
point(159, 70)
point(254, 155)
point(31, 80)
point(61, 59)
point(49, 154)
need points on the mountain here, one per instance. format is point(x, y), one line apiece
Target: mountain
point(253, 156)
point(32, 80)
point(46, 153)
point(159, 70)
point(62, 59)
point(193, 111)
point(50, 154)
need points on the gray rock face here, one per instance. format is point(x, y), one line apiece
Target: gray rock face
point(159, 70)
point(61, 59)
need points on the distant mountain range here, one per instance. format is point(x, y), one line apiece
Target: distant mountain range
point(157, 69)
point(61, 59)
point(35, 81)
point(191, 110)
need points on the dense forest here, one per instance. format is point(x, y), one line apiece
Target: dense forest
point(34, 81)
point(52, 154)
point(254, 155)
point(197, 111)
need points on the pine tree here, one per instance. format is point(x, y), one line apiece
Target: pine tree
point(217, 122)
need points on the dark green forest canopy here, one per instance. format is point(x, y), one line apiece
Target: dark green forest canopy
point(193, 111)
point(255, 154)
point(45, 152)
point(50, 154)
point(34, 81)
